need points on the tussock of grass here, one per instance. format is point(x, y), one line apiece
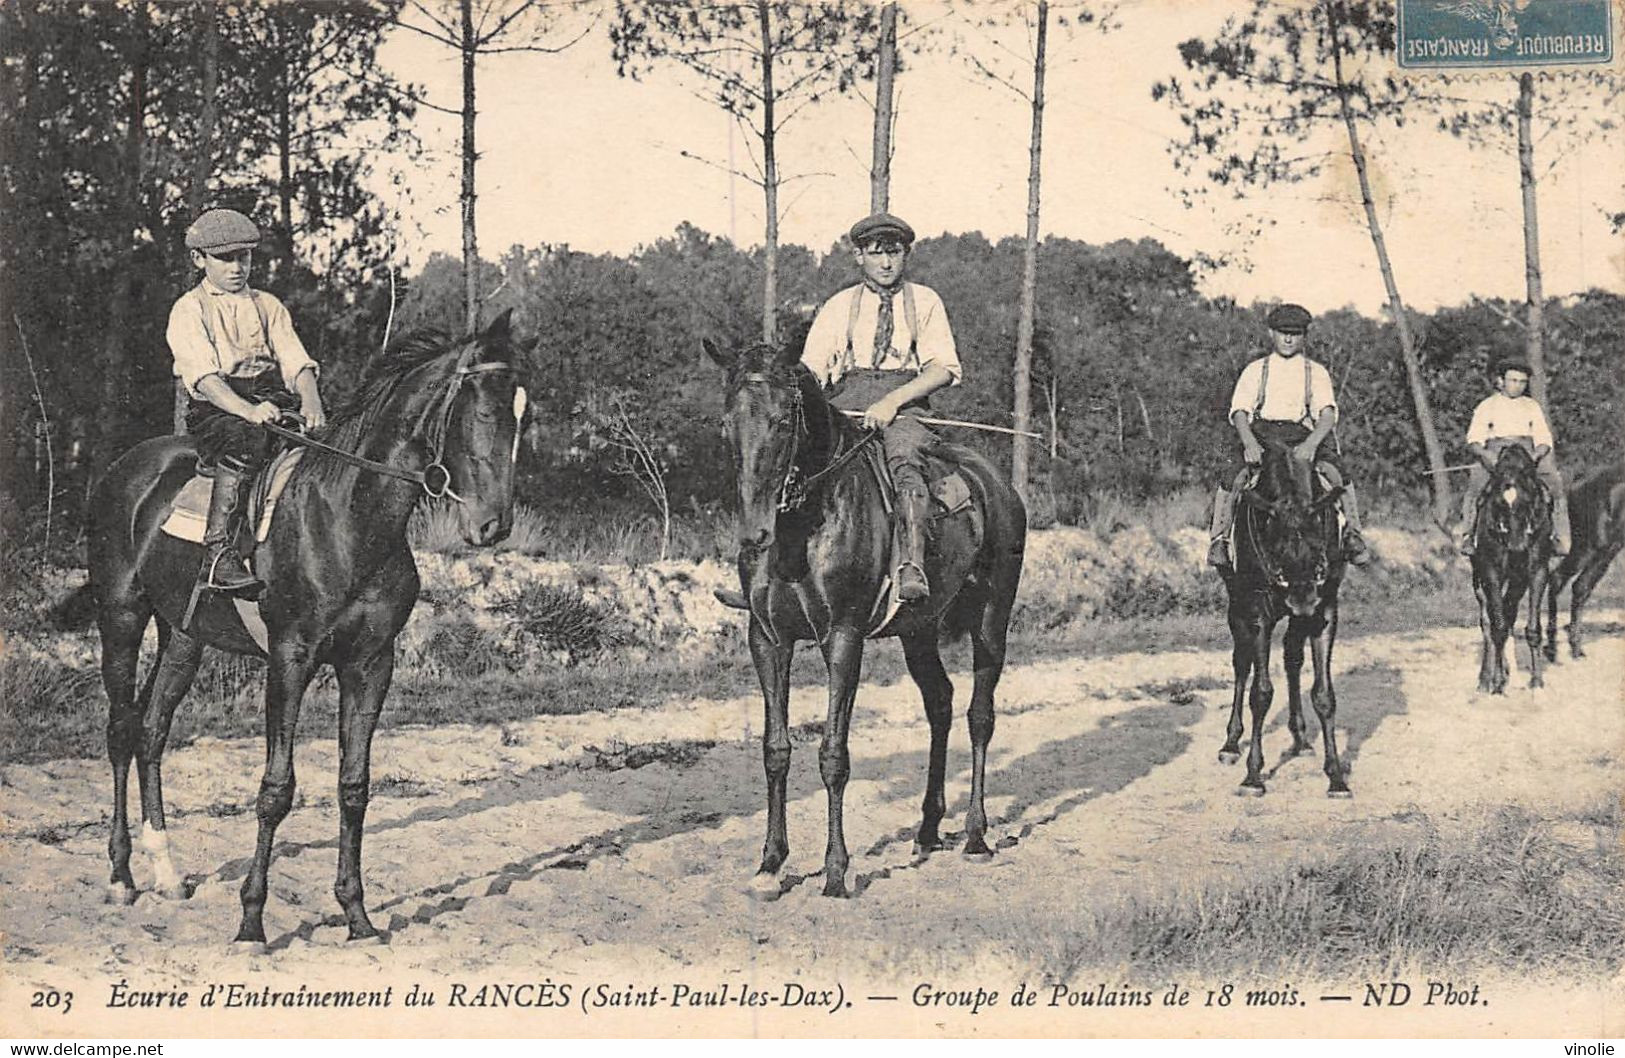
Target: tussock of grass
point(41, 701)
point(560, 619)
point(1517, 892)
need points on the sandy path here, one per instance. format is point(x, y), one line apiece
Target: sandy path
point(612, 849)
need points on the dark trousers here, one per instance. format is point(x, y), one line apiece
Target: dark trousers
point(219, 434)
point(907, 437)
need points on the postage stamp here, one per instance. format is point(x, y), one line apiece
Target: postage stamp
point(1477, 34)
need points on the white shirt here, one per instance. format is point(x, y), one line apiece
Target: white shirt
point(1284, 401)
point(825, 351)
point(1499, 415)
point(241, 345)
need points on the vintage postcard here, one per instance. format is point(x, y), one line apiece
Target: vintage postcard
point(767, 519)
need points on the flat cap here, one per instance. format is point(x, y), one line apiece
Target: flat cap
point(882, 226)
point(1289, 319)
point(1511, 362)
point(222, 231)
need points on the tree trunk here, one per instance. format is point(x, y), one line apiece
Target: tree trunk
point(1531, 239)
point(1022, 375)
point(770, 184)
point(115, 359)
point(471, 253)
point(885, 67)
point(197, 192)
point(284, 184)
point(1438, 479)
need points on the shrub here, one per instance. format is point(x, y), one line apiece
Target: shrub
point(559, 618)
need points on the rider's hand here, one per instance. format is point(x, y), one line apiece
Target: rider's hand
point(1304, 453)
point(880, 414)
point(262, 413)
point(1252, 452)
point(313, 414)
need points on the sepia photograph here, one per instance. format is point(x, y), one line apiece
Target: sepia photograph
point(532, 519)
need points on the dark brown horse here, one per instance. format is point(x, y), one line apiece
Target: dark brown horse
point(1512, 555)
point(815, 541)
point(1289, 563)
point(340, 582)
point(1597, 507)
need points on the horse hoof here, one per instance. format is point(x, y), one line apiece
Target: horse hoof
point(178, 891)
point(1228, 757)
point(1340, 793)
point(923, 849)
point(246, 948)
point(1248, 789)
point(367, 940)
point(764, 887)
point(120, 895)
point(836, 886)
point(981, 855)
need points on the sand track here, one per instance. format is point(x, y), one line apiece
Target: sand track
point(614, 848)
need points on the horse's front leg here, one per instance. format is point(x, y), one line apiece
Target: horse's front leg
point(1488, 652)
point(286, 677)
point(1532, 629)
point(1241, 664)
point(363, 683)
point(1324, 696)
point(1292, 656)
point(1263, 693)
point(843, 653)
point(773, 672)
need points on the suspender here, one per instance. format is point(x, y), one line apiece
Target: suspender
point(1263, 386)
point(259, 310)
point(910, 314)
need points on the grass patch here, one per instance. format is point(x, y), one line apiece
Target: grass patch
point(1516, 892)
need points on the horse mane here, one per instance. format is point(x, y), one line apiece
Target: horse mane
point(384, 375)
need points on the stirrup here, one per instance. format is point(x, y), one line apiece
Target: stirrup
point(921, 591)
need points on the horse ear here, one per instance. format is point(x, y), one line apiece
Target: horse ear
point(500, 331)
point(724, 360)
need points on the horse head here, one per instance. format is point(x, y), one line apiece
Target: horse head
point(1292, 542)
point(463, 406)
point(765, 409)
point(1514, 511)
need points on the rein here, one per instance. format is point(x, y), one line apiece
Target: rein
point(794, 491)
point(434, 479)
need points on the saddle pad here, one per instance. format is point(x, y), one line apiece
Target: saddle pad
point(190, 515)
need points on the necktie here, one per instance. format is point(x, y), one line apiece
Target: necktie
point(885, 323)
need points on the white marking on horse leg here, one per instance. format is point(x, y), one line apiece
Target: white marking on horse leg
point(156, 842)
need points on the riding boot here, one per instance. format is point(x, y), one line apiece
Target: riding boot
point(1354, 548)
point(913, 507)
point(1560, 525)
point(1465, 528)
point(224, 569)
point(1218, 552)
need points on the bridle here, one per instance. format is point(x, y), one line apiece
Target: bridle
point(434, 479)
point(1271, 569)
point(795, 489)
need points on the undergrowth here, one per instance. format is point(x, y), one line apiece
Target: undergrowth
point(1516, 891)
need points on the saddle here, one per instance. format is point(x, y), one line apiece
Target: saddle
point(189, 509)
